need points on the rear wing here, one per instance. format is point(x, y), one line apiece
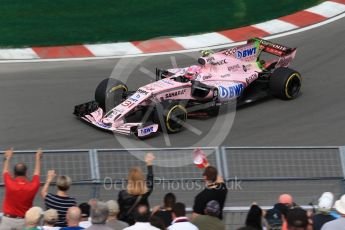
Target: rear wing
point(272, 48)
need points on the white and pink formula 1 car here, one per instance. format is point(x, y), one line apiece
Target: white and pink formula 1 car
point(243, 74)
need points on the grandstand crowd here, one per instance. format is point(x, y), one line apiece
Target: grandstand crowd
point(132, 211)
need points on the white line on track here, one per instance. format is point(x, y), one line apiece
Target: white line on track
point(173, 62)
point(147, 72)
point(181, 51)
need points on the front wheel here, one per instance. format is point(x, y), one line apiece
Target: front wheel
point(285, 83)
point(171, 116)
point(109, 93)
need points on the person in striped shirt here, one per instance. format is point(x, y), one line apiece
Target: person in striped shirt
point(60, 201)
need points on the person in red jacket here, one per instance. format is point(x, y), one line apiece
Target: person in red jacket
point(19, 191)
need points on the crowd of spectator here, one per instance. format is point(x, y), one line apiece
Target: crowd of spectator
point(132, 211)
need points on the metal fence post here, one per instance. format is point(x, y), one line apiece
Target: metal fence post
point(94, 166)
point(342, 159)
point(224, 160)
point(92, 163)
point(219, 161)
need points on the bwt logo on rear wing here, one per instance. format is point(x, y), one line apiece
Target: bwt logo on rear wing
point(272, 48)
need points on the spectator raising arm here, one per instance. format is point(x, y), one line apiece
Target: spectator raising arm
point(50, 176)
point(215, 189)
point(7, 156)
point(37, 170)
point(19, 193)
point(149, 158)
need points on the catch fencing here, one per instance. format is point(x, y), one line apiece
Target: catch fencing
point(257, 174)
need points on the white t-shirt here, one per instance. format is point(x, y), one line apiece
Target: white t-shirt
point(85, 224)
point(182, 223)
point(141, 226)
point(49, 228)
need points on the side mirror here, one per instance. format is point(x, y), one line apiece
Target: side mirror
point(201, 61)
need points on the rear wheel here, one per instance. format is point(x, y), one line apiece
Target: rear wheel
point(109, 93)
point(285, 83)
point(170, 116)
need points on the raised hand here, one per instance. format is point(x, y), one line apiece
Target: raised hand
point(149, 158)
point(51, 175)
point(8, 153)
point(39, 154)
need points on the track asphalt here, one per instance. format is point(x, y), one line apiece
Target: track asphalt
point(38, 98)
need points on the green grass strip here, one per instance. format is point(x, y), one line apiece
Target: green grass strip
point(61, 22)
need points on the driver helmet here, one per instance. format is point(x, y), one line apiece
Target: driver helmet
point(191, 72)
point(189, 75)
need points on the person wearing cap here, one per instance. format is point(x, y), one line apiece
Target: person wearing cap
point(297, 219)
point(215, 190)
point(19, 191)
point(210, 220)
point(276, 217)
point(323, 211)
point(85, 215)
point(338, 224)
point(181, 222)
point(112, 220)
point(285, 202)
point(50, 217)
point(32, 218)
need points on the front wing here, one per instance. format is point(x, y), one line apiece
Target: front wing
point(93, 115)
